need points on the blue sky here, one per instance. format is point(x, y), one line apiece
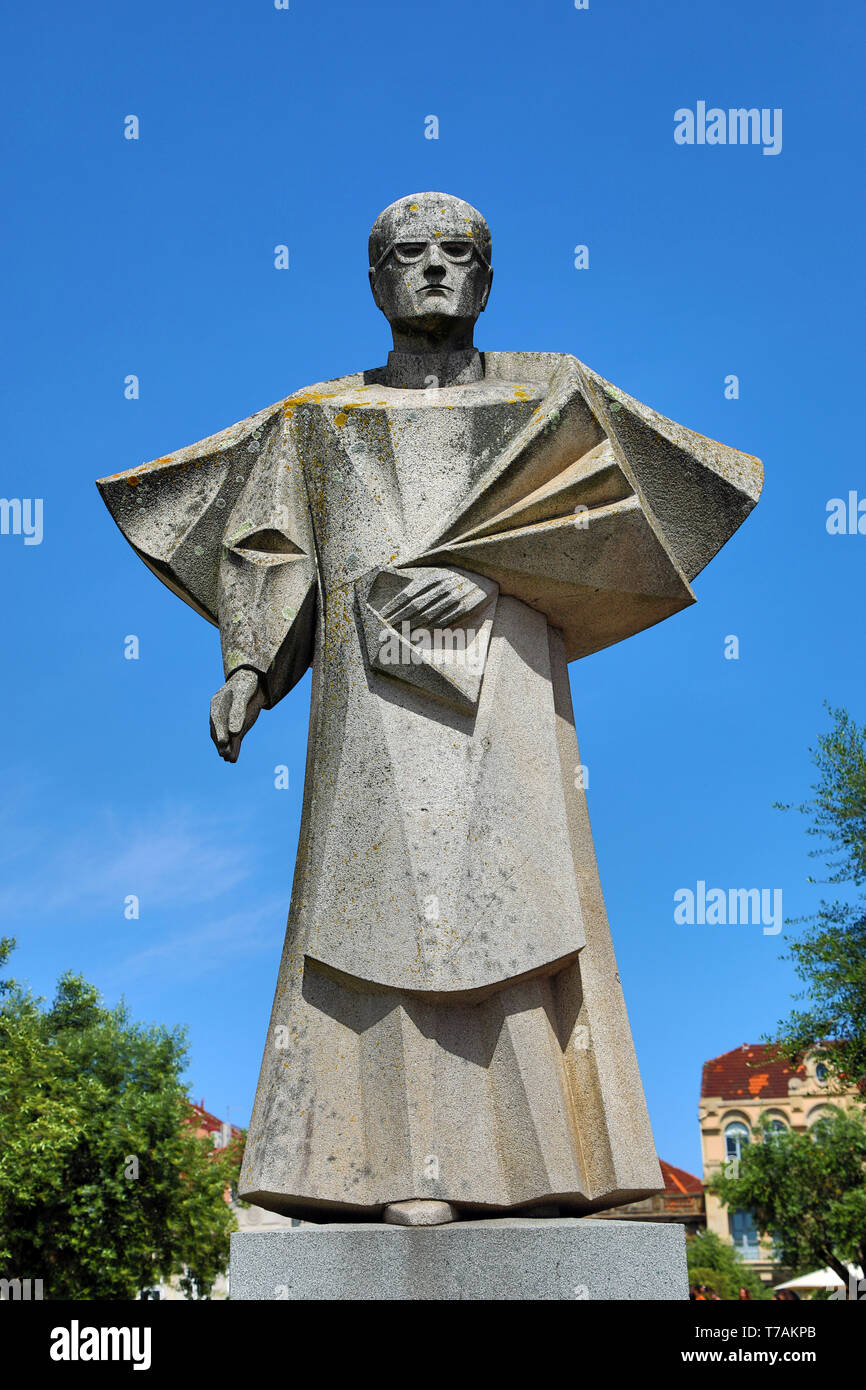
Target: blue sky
point(155, 257)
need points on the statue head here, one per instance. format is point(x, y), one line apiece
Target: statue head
point(430, 270)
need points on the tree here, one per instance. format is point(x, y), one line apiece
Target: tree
point(807, 1191)
point(830, 955)
point(104, 1188)
point(713, 1263)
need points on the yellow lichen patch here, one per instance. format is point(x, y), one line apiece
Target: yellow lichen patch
point(341, 419)
point(302, 397)
point(133, 482)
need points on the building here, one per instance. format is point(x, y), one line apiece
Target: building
point(221, 1133)
point(736, 1088)
point(682, 1201)
point(206, 1125)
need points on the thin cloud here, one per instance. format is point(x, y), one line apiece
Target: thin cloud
point(189, 955)
point(177, 859)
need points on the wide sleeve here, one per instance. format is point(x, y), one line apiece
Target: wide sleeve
point(267, 584)
point(224, 524)
point(599, 512)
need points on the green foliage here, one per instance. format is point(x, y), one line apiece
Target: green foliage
point(714, 1263)
point(104, 1188)
point(838, 806)
point(806, 1190)
point(830, 954)
point(232, 1156)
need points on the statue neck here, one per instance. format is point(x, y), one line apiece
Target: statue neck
point(417, 371)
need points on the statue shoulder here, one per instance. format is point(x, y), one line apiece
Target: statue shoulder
point(174, 510)
point(251, 430)
point(539, 367)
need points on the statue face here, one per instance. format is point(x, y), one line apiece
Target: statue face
point(425, 280)
point(430, 270)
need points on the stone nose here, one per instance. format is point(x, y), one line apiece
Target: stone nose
point(434, 262)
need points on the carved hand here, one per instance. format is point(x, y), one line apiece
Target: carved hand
point(436, 597)
point(233, 710)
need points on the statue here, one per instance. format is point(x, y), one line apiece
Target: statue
point(439, 538)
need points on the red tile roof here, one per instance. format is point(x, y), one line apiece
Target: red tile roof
point(678, 1180)
point(206, 1123)
point(747, 1072)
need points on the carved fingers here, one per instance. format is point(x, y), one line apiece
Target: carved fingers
point(233, 711)
point(434, 599)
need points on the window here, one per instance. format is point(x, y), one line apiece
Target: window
point(818, 1112)
point(821, 1072)
point(736, 1139)
point(773, 1125)
point(744, 1235)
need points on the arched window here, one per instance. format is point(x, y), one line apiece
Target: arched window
point(774, 1124)
point(736, 1138)
point(821, 1072)
point(818, 1112)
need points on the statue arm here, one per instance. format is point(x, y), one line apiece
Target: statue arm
point(224, 524)
point(266, 596)
point(267, 613)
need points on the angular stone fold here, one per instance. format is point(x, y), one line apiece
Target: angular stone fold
point(448, 1023)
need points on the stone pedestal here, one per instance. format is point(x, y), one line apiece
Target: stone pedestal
point(512, 1258)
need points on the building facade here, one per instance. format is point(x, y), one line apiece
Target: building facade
point(681, 1201)
point(736, 1089)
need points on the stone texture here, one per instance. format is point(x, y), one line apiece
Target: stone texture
point(448, 1022)
point(508, 1259)
point(419, 1213)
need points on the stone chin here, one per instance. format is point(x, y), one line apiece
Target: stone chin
point(429, 319)
point(420, 311)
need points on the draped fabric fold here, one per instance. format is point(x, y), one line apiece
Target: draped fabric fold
point(439, 557)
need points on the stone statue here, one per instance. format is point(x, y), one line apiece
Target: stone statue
point(439, 538)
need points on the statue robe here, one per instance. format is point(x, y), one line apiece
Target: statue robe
point(448, 1020)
